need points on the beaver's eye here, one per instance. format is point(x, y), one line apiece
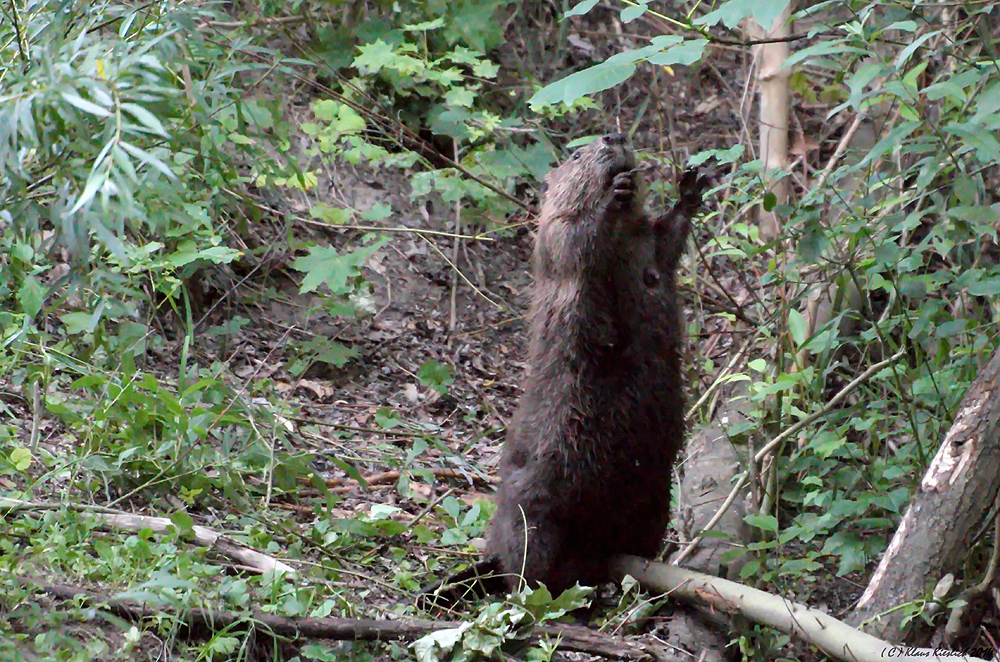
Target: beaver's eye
point(576, 156)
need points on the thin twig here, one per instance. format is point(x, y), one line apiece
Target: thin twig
point(36, 414)
point(455, 244)
point(461, 275)
point(841, 148)
point(723, 374)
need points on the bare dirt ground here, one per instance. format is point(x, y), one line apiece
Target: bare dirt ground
point(415, 296)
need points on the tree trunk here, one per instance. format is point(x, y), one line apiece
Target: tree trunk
point(773, 81)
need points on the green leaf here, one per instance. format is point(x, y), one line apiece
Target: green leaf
point(982, 214)
point(20, 458)
point(688, 52)
point(383, 511)
point(124, 163)
point(453, 123)
point(336, 354)
point(374, 56)
point(31, 296)
point(257, 114)
point(987, 287)
point(569, 600)
point(348, 120)
point(826, 443)
point(485, 69)
point(722, 156)
point(662, 50)
point(438, 645)
point(976, 137)
point(769, 201)
point(907, 52)
point(987, 103)
point(812, 242)
point(84, 322)
point(751, 568)
point(146, 118)
point(224, 646)
point(426, 26)
point(580, 8)
point(320, 651)
point(459, 96)
point(182, 521)
point(94, 182)
point(595, 79)
point(951, 328)
point(188, 252)
point(454, 537)
point(23, 252)
point(859, 81)
point(767, 523)
point(834, 47)
point(965, 189)
point(326, 265)
point(632, 12)
point(849, 548)
point(378, 212)
point(436, 375)
point(731, 13)
point(86, 106)
point(798, 327)
point(332, 215)
point(148, 159)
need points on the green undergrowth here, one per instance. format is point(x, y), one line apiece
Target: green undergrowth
point(148, 153)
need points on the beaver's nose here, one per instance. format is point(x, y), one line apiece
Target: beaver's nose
point(615, 139)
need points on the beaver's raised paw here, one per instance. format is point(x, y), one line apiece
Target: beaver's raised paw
point(624, 187)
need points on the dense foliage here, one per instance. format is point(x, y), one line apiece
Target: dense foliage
point(146, 154)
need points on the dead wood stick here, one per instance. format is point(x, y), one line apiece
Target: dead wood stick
point(205, 622)
point(347, 483)
point(833, 637)
point(200, 535)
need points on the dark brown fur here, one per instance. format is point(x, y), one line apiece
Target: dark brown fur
point(586, 467)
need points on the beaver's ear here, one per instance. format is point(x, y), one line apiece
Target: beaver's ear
point(542, 189)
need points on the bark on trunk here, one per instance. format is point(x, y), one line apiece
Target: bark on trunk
point(773, 79)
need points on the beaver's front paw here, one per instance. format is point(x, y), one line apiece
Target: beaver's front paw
point(690, 187)
point(624, 187)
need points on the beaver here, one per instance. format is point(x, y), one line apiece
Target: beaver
point(586, 465)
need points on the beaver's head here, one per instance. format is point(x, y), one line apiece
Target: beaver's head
point(578, 185)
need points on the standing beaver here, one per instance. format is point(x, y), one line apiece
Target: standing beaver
point(586, 467)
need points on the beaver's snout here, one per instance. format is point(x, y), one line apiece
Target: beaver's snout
point(621, 156)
